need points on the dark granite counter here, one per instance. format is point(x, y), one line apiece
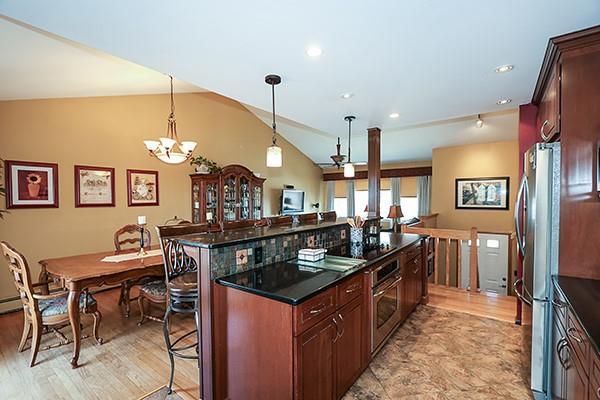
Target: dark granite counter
point(238, 236)
point(583, 296)
point(292, 283)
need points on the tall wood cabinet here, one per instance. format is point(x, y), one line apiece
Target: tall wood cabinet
point(236, 194)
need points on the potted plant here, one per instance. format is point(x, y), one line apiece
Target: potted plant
point(203, 165)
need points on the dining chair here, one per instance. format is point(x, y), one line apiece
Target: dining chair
point(262, 222)
point(155, 291)
point(281, 220)
point(230, 225)
point(44, 312)
point(309, 218)
point(328, 216)
point(131, 233)
point(181, 286)
point(176, 221)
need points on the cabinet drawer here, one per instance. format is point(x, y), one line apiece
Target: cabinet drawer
point(412, 252)
point(350, 289)
point(314, 310)
point(414, 265)
point(578, 340)
point(594, 392)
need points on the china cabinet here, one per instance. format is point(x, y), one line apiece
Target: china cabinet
point(235, 194)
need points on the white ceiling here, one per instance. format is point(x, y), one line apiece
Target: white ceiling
point(427, 60)
point(43, 66)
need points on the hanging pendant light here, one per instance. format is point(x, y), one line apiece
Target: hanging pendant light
point(169, 149)
point(479, 122)
point(274, 155)
point(349, 167)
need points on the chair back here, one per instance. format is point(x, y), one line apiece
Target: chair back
point(281, 220)
point(132, 231)
point(229, 225)
point(17, 263)
point(176, 221)
point(328, 216)
point(261, 222)
point(175, 259)
point(309, 218)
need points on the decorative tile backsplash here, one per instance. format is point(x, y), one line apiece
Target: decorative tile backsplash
point(237, 258)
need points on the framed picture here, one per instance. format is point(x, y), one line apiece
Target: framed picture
point(482, 193)
point(31, 184)
point(142, 188)
point(94, 186)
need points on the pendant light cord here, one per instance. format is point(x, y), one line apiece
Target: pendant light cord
point(273, 103)
point(172, 125)
point(349, 136)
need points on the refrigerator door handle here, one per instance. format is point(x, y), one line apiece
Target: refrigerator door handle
point(521, 196)
point(519, 295)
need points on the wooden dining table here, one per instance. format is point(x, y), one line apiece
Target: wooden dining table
point(80, 272)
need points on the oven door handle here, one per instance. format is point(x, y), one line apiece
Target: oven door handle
point(382, 291)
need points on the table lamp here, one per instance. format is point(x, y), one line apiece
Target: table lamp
point(395, 214)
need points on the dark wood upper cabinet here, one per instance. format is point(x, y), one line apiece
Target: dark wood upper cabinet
point(236, 194)
point(568, 98)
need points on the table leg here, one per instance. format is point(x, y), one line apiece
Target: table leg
point(74, 319)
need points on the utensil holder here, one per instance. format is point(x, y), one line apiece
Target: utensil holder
point(356, 241)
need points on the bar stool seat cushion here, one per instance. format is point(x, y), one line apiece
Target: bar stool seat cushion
point(155, 288)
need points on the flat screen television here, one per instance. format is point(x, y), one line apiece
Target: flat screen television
point(292, 201)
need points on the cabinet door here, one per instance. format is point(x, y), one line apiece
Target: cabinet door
point(315, 369)
point(557, 373)
point(575, 381)
point(416, 271)
point(210, 200)
point(196, 201)
point(548, 119)
point(349, 345)
point(408, 291)
point(230, 203)
point(245, 198)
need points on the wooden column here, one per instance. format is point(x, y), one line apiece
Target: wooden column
point(374, 173)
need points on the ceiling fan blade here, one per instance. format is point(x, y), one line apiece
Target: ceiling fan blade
point(359, 162)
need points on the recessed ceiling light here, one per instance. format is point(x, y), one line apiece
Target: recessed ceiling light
point(504, 68)
point(394, 115)
point(346, 95)
point(314, 51)
point(503, 101)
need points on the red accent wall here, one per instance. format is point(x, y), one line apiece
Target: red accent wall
point(528, 136)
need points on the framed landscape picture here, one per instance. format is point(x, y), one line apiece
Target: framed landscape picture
point(31, 184)
point(482, 193)
point(142, 188)
point(94, 186)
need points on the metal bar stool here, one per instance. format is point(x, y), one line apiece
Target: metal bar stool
point(182, 297)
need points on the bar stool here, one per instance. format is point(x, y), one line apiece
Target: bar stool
point(182, 297)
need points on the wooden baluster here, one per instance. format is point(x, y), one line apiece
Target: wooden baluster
point(436, 260)
point(473, 278)
point(448, 261)
point(458, 263)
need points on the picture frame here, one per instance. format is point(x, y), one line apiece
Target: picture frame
point(31, 184)
point(142, 188)
point(489, 193)
point(94, 186)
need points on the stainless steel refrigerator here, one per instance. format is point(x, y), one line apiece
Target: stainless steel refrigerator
point(537, 225)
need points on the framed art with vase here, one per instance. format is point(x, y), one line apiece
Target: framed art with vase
point(31, 184)
point(94, 186)
point(142, 188)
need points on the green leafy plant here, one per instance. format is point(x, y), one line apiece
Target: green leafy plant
point(213, 167)
point(2, 189)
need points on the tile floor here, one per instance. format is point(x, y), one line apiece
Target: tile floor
point(439, 354)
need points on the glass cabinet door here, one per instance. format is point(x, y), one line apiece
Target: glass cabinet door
point(229, 198)
point(196, 202)
point(211, 198)
point(244, 198)
point(257, 202)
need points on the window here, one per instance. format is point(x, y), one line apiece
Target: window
point(361, 200)
point(340, 206)
point(410, 207)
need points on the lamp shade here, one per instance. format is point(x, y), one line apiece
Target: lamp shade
point(348, 170)
point(274, 157)
point(395, 211)
point(367, 208)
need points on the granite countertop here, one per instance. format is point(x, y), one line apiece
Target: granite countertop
point(291, 283)
point(583, 296)
point(237, 236)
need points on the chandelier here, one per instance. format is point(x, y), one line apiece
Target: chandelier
point(169, 149)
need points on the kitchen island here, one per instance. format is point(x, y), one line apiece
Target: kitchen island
point(272, 328)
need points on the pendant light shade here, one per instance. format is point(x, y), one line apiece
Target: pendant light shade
point(274, 153)
point(479, 122)
point(274, 157)
point(349, 167)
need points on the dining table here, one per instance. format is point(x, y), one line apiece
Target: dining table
point(81, 272)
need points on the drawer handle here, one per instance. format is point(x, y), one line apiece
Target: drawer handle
point(558, 303)
point(315, 311)
point(542, 134)
point(572, 336)
point(353, 288)
point(598, 393)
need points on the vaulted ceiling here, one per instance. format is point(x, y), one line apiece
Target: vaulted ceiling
point(428, 61)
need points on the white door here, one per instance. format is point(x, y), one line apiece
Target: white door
point(492, 260)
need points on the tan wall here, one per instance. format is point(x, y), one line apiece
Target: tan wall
point(108, 131)
point(477, 160)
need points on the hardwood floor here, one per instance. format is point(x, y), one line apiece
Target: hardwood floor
point(131, 363)
point(501, 308)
